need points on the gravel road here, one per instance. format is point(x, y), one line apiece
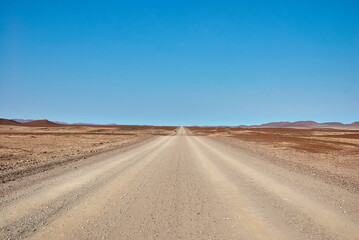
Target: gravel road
point(176, 187)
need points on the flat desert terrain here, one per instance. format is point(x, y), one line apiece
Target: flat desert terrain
point(28, 149)
point(93, 182)
point(329, 154)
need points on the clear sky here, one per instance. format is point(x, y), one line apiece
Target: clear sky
point(180, 62)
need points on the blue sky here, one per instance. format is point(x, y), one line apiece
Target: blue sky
point(180, 62)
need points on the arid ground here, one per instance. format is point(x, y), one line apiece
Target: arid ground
point(329, 154)
point(28, 149)
point(129, 182)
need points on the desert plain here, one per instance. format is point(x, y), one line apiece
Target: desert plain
point(29, 148)
point(329, 154)
point(146, 182)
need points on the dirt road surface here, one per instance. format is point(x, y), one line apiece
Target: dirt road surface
point(176, 187)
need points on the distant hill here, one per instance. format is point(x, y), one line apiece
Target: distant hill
point(4, 121)
point(61, 123)
point(84, 124)
point(298, 124)
point(23, 120)
point(45, 123)
point(306, 124)
point(354, 124)
point(41, 123)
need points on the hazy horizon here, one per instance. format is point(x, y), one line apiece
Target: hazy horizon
point(180, 63)
point(110, 123)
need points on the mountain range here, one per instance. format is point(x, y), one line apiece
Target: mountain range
point(305, 124)
point(298, 124)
